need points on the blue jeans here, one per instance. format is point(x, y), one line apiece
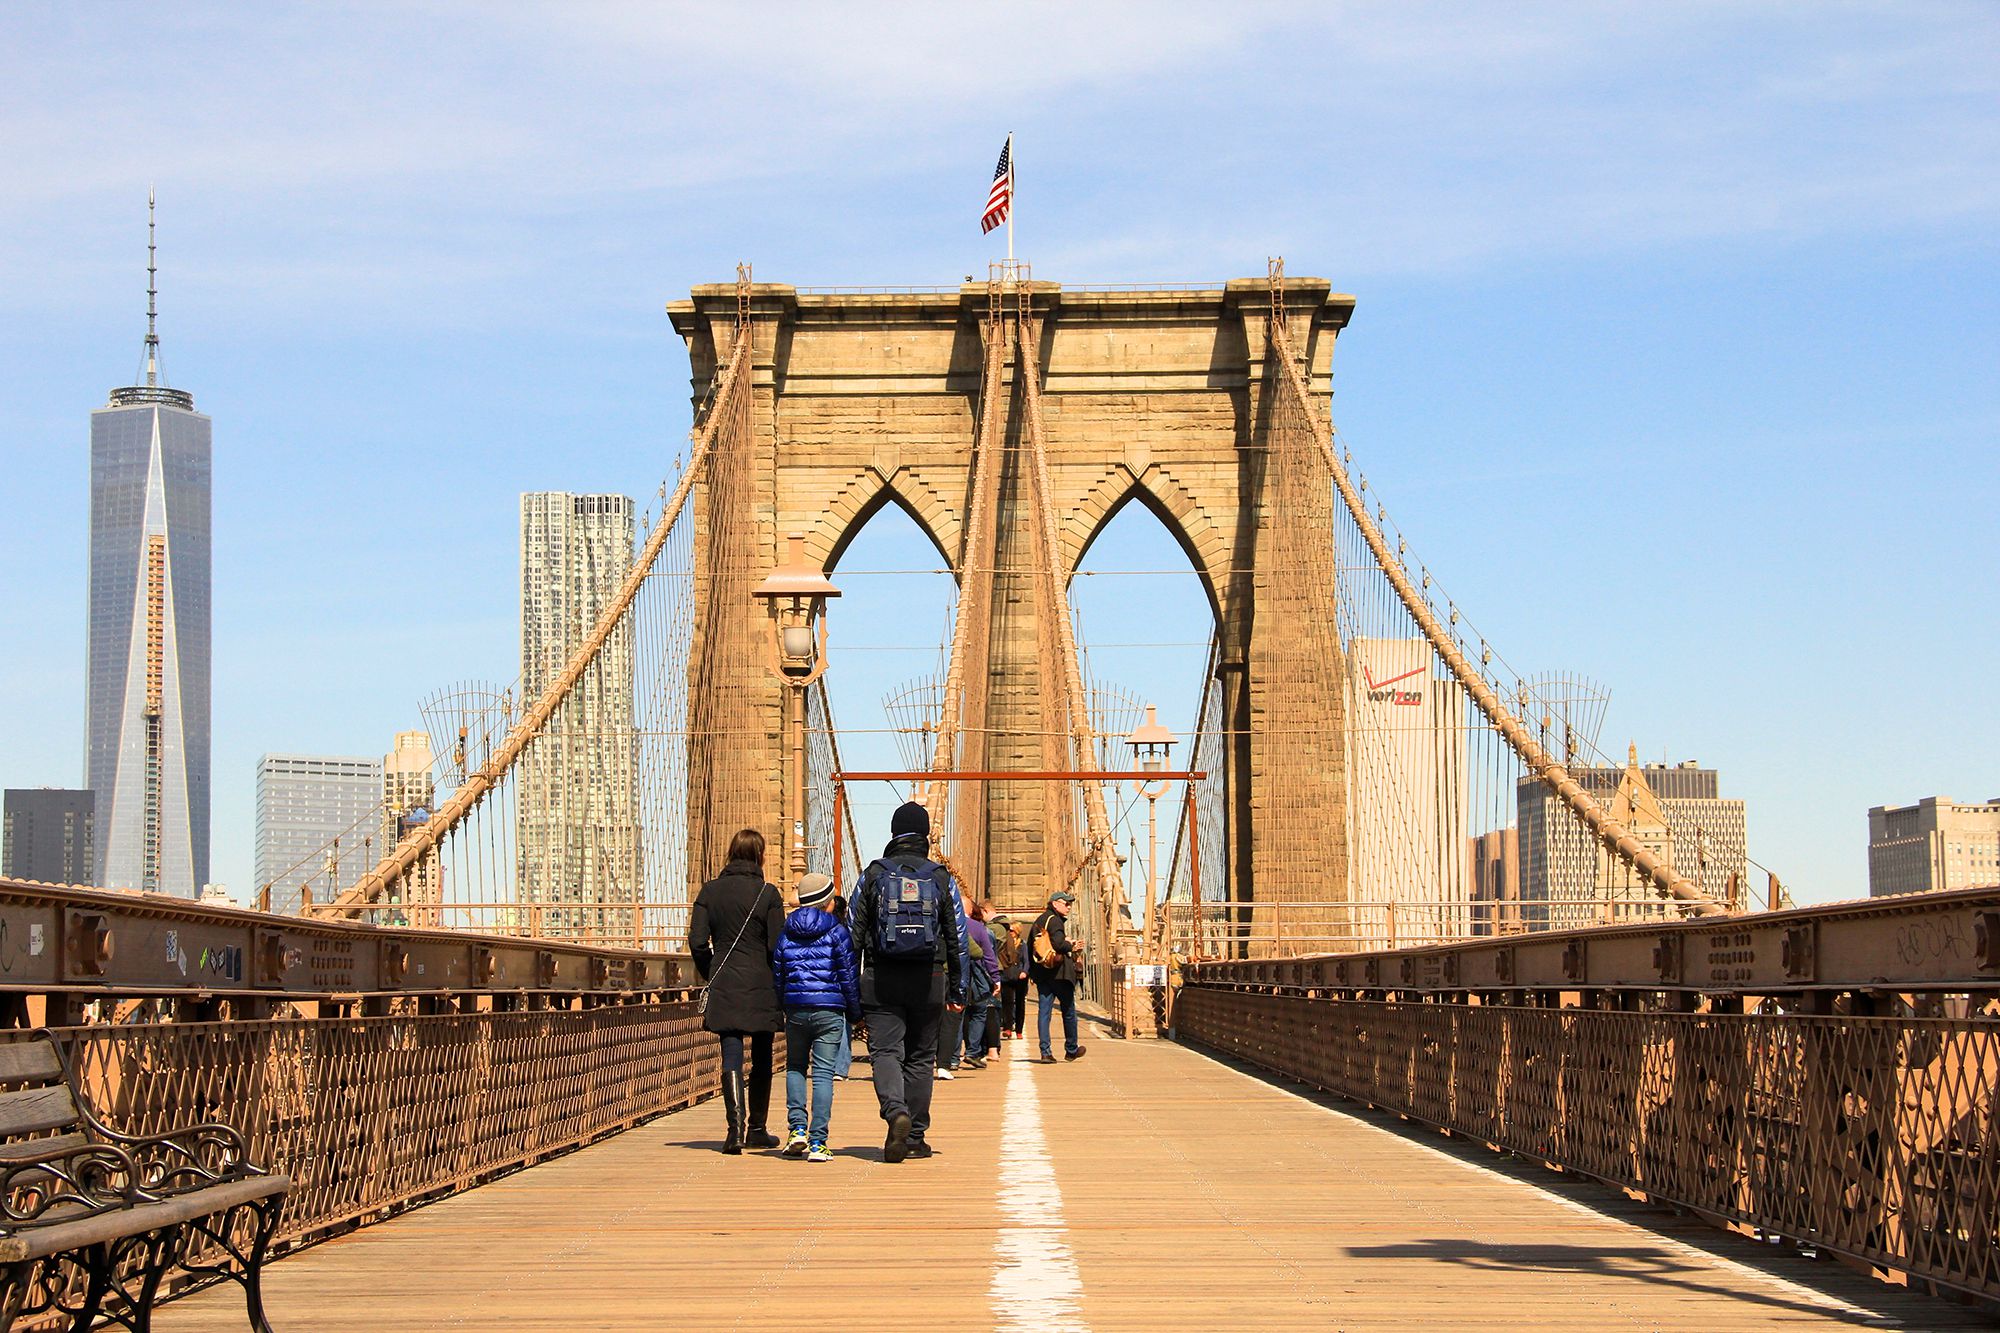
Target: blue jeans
point(1048, 994)
point(845, 1061)
point(975, 1026)
point(812, 1040)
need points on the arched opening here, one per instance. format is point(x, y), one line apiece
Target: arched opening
point(1146, 619)
point(888, 636)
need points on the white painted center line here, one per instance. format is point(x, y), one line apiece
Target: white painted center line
point(1036, 1285)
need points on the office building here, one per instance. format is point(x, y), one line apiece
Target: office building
point(577, 805)
point(1496, 882)
point(48, 835)
point(408, 796)
point(1406, 756)
point(316, 825)
point(1938, 843)
point(1676, 811)
point(147, 657)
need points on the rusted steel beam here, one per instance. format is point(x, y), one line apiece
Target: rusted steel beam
point(1919, 941)
point(108, 943)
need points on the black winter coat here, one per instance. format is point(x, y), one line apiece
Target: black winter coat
point(742, 996)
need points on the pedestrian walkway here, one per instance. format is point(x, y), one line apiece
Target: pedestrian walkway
point(1146, 1186)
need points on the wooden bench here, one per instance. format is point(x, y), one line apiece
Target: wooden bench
point(91, 1219)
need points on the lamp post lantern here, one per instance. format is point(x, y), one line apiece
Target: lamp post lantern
point(1151, 745)
point(795, 594)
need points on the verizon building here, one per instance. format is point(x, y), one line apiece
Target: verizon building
point(1407, 766)
point(148, 637)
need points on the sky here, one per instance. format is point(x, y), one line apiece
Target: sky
point(1674, 348)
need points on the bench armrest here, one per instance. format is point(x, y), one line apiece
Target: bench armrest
point(182, 1159)
point(71, 1181)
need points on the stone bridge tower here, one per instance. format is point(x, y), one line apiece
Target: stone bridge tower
point(1155, 396)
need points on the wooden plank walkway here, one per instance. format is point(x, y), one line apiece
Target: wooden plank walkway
point(1144, 1187)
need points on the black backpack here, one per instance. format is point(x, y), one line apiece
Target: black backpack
point(907, 892)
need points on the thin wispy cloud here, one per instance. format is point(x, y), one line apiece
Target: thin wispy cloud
point(378, 160)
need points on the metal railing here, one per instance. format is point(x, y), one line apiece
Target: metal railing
point(1825, 1075)
point(379, 1067)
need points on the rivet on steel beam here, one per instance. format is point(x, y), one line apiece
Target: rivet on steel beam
point(395, 963)
point(1667, 957)
point(1986, 940)
point(1796, 953)
point(600, 971)
point(545, 968)
point(270, 957)
point(484, 965)
point(87, 943)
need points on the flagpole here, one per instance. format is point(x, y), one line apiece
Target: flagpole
point(1012, 201)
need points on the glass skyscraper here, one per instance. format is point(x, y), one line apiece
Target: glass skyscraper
point(148, 651)
point(317, 821)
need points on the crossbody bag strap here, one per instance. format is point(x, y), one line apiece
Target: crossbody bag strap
point(723, 962)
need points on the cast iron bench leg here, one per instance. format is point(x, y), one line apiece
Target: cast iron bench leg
point(253, 1272)
point(99, 1268)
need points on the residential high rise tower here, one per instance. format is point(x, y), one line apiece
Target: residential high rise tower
point(577, 800)
point(148, 636)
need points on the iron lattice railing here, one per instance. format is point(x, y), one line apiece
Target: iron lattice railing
point(371, 1115)
point(1871, 1137)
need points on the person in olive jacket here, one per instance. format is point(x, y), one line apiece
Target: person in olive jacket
point(736, 921)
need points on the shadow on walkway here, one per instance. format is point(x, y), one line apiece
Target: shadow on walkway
point(1875, 1303)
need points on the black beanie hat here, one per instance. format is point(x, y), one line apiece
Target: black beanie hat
point(910, 818)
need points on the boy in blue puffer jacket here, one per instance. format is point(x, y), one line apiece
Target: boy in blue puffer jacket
point(819, 984)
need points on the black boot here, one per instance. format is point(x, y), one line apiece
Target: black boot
point(760, 1109)
point(732, 1109)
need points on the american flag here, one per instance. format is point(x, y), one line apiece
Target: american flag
point(1000, 199)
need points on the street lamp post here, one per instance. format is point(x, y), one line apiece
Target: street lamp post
point(1151, 744)
point(795, 594)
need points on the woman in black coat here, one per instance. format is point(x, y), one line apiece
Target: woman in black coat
point(736, 921)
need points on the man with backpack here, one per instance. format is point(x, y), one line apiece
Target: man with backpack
point(913, 956)
point(1053, 960)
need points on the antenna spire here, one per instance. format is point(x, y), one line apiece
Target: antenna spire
point(152, 296)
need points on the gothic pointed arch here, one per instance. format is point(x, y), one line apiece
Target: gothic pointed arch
point(1157, 489)
point(863, 497)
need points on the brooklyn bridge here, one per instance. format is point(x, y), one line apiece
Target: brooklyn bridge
point(1348, 1072)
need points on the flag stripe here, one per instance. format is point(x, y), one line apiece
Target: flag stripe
point(1000, 199)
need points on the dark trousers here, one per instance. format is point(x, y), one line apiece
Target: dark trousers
point(1014, 1006)
point(951, 1036)
point(760, 1053)
point(902, 1052)
point(1047, 995)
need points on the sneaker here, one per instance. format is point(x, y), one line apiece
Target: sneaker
point(796, 1145)
point(975, 1062)
point(819, 1152)
point(1076, 1054)
point(919, 1148)
point(897, 1146)
point(945, 1074)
